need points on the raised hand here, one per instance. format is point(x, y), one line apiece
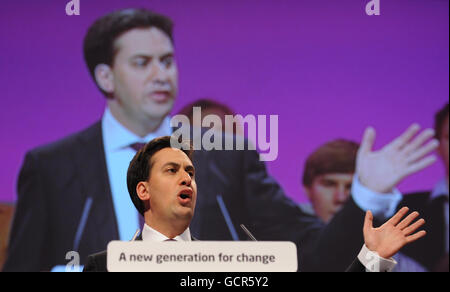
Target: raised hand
point(382, 170)
point(388, 239)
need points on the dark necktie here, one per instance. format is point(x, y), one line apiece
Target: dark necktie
point(170, 239)
point(137, 146)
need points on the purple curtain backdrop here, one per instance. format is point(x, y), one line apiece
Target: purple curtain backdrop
point(325, 67)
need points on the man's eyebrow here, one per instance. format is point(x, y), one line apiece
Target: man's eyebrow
point(177, 165)
point(167, 55)
point(144, 56)
point(174, 164)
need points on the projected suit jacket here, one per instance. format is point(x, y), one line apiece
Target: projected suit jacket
point(431, 250)
point(56, 181)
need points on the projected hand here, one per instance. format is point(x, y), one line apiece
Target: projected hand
point(382, 170)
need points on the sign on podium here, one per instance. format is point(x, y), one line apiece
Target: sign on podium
point(202, 256)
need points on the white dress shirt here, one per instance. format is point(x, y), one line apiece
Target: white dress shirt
point(150, 234)
point(383, 206)
point(374, 263)
point(117, 140)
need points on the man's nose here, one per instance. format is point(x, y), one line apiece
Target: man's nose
point(158, 73)
point(186, 179)
point(341, 195)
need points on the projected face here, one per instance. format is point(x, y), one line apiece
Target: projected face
point(145, 76)
point(172, 189)
point(328, 193)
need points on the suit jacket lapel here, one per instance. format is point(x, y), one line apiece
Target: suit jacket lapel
point(93, 174)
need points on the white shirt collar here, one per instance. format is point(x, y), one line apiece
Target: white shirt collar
point(150, 234)
point(117, 137)
point(441, 189)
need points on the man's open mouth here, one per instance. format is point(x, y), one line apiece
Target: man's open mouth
point(185, 196)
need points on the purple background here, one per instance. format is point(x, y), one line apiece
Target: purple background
point(325, 67)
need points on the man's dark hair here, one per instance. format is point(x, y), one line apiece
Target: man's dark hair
point(99, 41)
point(439, 120)
point(338, 156)
point(141, 166)
point(204, 104)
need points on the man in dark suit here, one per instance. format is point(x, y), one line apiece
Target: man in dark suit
point(161, 183)
point(72, 194)
point(432, 252)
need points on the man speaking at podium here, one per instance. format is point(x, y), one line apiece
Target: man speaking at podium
point(72, 194)
point(161, 184)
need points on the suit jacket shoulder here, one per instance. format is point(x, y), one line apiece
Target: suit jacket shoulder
point(53, 186)
point(416, 201)
point(96, 262)
point(91, 134)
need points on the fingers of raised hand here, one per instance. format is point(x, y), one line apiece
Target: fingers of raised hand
point(418, 141)
point(412, 228)
point(420, 152)
point(368, 222)
point(416, 236)
point(419, 165)
point(367, 141)
point(398, 216)
point(404, 138)
point(405, 222)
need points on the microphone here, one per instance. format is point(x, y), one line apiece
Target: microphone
point(136, 234)
point(248, 232)
point(82, 224)
point(227, 218)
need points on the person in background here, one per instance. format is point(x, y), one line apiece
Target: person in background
point(212, 107)
point(432, 252)
point(327, 177)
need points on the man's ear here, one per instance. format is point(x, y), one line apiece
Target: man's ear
point(142, 190)
point(104, 78)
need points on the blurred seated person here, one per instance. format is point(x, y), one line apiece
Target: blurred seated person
point(327, 177)
point(327, 182)
point(211, 107)
point(6, 214)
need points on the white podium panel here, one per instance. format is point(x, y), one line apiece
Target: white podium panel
point(202, 256)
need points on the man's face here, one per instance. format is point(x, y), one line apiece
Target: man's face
point(328, 193)
point(172, 186)
point(145, 74)
point(443, 147)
